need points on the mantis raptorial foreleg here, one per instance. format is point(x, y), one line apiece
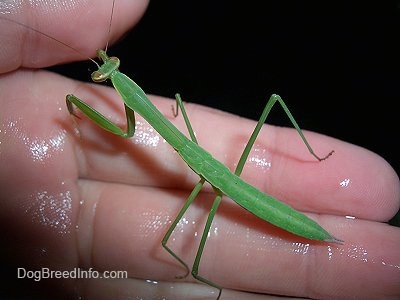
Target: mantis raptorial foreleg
point(100, 119)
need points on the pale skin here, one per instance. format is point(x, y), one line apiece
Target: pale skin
point(130, 191)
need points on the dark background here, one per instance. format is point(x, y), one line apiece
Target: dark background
point(335, 63)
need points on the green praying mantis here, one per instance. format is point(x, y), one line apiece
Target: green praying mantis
point(209, 169)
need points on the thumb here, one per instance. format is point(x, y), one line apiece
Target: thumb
point(41, 35)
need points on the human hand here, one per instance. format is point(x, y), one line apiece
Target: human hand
point(93, 200)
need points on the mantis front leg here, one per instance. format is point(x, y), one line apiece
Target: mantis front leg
point(100, 119)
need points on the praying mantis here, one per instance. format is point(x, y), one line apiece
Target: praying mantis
point(200, 161)
point(223, 181)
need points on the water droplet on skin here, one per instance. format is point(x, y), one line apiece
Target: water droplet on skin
point(153, 221)
point(145, 135)
point(215, 231)
point(151, 281)
point(361, 254)
point(51, 210)
point(258, 157)
point(345, 182)
point(41, 150)
point(260, 162)
point(330, 252)
point(301, 248)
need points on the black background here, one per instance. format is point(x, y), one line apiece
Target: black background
point(335, 63)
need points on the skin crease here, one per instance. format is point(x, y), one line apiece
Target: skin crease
point(76, 196)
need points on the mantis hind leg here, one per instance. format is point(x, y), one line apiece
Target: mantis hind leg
point(192, 196)
point(164, 241)
point(207, 226)
point(202, 243)
point(272, 100)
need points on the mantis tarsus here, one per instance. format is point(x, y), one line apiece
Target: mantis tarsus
point(200, 161)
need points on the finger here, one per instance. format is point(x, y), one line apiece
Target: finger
point(54, 27)
point(151, 289)
point(128, 224)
